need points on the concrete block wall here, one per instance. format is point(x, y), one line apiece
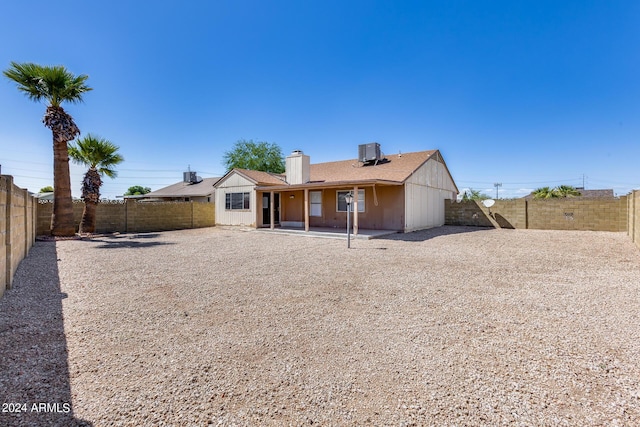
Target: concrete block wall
point(633, 216)
point(578, 214)
point(554, 214)
point(132, 216)
point(17, 228)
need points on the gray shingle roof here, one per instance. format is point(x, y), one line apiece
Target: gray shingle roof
point(184, 189)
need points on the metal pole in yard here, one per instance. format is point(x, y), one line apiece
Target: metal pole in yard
point(349, 199)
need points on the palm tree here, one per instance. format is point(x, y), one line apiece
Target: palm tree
point(100, 155)
point(556, 192)
point(567, 191)
point(54, 85)
point(544, 193)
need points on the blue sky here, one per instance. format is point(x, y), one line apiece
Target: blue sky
point(526, 93)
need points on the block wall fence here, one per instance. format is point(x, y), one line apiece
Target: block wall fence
point(131, 216)
point(17, 228)
point(550, 214)
point(633, 216)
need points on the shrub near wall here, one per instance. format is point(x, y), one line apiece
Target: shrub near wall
point(17, 230)
point(134, 217)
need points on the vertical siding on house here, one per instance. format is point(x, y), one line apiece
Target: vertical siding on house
point(425, 192)
point(235, 184)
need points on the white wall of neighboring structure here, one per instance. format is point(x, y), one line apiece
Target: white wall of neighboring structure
point(425, 194)
point(234, 183)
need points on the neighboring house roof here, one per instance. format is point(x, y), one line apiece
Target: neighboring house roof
point(597, 194)
point(185, 189)
point(586, 194)
point(44, 196)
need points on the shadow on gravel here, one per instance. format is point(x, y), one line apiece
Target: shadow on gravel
point(127, 241)
point(34, 368)
point(423, 235)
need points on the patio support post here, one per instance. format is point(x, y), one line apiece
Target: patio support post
point(306, 210)
point(355, 210)
point(272, 204)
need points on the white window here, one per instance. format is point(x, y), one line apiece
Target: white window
point(342, 204)
point(315, 203)
point(236, 201)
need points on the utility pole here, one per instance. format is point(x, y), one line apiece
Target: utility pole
point(497, 185)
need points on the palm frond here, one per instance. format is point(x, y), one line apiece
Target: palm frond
point(96, 152)
point(54, 84)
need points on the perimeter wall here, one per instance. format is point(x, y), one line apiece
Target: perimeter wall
point(17, 228)
point(550, 214)
point(134, 217)
point(633, 216)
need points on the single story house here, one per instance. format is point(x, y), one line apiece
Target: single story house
point(403, 192)
point(191, 189)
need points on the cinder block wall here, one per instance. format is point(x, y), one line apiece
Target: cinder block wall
point(132, 216)
point(17, 229)
point(553, 214)
point(633, 216)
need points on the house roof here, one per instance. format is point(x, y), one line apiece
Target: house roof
point(393, 170)
point(397, 168)
point(261, 178)
point(184, 189)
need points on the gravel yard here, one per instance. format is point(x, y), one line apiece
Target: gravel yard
point(450, 326)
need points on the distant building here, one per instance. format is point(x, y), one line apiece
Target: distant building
point(191, 189)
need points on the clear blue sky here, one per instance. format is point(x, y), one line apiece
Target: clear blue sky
point(526, 93)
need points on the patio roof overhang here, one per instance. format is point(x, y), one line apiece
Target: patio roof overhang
point(325, 184)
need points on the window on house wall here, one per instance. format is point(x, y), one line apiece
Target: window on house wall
point(315, 203)
point(342, 204)
point(237, 201)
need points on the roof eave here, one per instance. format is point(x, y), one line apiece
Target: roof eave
point(328, 184)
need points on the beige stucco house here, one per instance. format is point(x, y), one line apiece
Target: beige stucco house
point(403, 192)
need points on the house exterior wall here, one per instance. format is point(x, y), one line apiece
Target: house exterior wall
point(235, 183)
point(425, 193)
point(387, 215)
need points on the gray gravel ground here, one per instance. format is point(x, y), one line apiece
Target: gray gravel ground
point(450, 326)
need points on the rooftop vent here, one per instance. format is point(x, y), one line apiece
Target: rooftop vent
point(369, 153)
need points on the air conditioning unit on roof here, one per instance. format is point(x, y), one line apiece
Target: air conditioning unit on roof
point(369, 153)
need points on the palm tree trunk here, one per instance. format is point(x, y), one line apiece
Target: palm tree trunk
point(62, 223)
point(91, 196)
point(88, 223)
point(64, 130)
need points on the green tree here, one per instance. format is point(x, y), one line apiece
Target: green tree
point(472, 194)
point(47, 189)
point(100, 155)
point(260, 156)
point(54, 85)
point(137, 190)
